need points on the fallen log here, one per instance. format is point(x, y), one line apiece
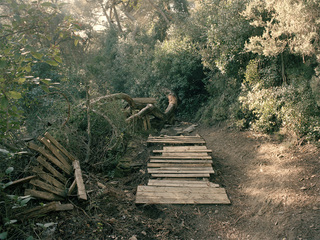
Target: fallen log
point(116, 96)
point(162, 117)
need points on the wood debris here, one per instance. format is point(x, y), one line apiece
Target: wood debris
point(42, 210)
point(58, 172)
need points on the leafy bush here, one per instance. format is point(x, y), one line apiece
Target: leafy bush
point(286, 107)
point(177, 67)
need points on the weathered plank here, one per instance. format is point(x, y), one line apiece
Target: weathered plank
point(181, 157)
point(180, 170)
point(43, 195)
point(55, 152)
point(218, 199)
point(180, 175)
point(47, 177)
point(197, 136)
point(78, 177)
point(42, 210)
point(19, 181)
point(72, 187)
point(51, 169)
point(190, 154)
point(54, 160)
point(183, 151)
point(193, 190)
point(179, 161)
point(60, 147)
point(48, 187)
point(177, 183)
point(176, 140)
point(184, 148)
point(181, 195)
point(181, 165)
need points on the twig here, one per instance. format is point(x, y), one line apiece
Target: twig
point(80, 209)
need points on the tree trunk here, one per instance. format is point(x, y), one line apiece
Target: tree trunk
point(284, 79)
point(160, 11)
point(88, 105)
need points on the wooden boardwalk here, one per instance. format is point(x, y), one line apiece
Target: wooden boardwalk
point(179, 173)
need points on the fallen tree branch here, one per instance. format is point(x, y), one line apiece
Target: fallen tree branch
point(115, 96)
point(143, 112)
point(150, 109)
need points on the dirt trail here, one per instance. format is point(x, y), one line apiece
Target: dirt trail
point(274, 188)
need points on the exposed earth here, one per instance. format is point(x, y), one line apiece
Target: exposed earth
point(274, 187)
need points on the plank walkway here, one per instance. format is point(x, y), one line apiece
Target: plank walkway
point(179, 173)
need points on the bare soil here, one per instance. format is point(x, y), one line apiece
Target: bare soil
point(274, 188)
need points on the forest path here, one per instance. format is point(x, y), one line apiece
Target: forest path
point(273, 187)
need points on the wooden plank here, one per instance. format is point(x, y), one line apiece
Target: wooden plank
point(180, 157)
point(175, 137)
point(43, 195)
point(177, 181)
point(63, 207)
point(218, 199)
point(78, 176)
point(181, 165)
point(56, 152)
point(47, 177)
point(176, 175)
point(179, 161)
point(181, 195)
point(48, 187)
point(166, 183)
point(72, 187)
point(54, 160)
point(60, 147)
point(179, 170)
point(193, 190)
point(176, 140)
point(51, 169)
point(184, 168)
point(177, 154)
point(183, 151)
point(184, 148)
point(19, 181)
point(40, 211)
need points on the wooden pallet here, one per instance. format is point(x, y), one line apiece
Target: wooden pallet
point(58, 172)
point(180, 174)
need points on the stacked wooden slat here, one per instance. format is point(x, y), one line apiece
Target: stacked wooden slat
point(180, 174)
point(184, 140)
point(58, 172)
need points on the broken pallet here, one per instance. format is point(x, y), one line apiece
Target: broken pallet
point(58, 172)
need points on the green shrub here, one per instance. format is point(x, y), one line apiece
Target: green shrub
point(288, 107)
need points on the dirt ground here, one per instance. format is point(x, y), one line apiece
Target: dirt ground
point(274, 188)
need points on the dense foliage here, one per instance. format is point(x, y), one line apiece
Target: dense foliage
point(252, 62)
